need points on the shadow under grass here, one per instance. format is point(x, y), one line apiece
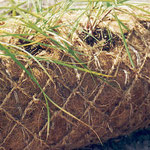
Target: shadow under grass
point(138, 140)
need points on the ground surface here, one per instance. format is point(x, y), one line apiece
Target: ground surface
point(139, 140)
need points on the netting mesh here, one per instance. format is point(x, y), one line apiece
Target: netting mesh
point(116, 107)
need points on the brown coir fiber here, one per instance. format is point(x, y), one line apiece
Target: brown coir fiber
point(113, 108)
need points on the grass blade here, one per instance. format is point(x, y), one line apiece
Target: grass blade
point(124, 40)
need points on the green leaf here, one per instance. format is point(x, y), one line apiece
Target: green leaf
point(124, 40)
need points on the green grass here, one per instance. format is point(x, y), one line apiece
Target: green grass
point(46, 22)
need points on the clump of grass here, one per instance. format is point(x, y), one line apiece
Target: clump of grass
point(45, 22)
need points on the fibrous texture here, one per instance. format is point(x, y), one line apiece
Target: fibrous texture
point(111, 106)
